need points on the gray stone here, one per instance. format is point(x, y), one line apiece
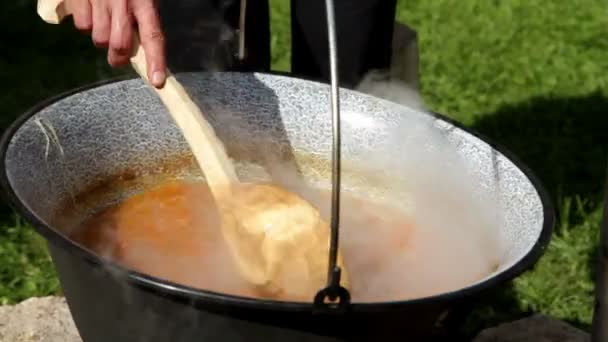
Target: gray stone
point(45, 319)
point(537, 328)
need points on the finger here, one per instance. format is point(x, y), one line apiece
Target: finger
point(81, 12)
point(101, 23)
point(118, 58)
point(152, 40)
point(121, 36)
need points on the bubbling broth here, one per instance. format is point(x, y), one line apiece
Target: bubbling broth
point(172, 231)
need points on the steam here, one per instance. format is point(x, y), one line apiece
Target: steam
point(399, 84)
point(436, 231)
point(453, 237)
point(384, 85)
point(441, 233)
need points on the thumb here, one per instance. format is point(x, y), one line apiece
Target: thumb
point(152, 40)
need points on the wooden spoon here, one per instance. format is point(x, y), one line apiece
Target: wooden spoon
point(278, 240)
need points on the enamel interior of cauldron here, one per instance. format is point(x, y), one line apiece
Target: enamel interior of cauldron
point(121, 129)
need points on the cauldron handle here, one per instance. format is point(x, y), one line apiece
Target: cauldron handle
point(339, 296)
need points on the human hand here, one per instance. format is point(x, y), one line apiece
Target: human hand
point(112, 24)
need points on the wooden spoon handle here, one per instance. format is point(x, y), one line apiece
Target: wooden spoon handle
point(52, 11)
point(198, 132)
point(205, 145)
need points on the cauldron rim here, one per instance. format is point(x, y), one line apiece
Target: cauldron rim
point(205, 298)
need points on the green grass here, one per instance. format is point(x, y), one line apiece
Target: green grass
point(25, 269)
point(530, 74)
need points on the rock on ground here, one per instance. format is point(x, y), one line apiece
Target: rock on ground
point(537, 328)
point(45, 319)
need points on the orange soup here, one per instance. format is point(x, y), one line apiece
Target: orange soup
point(172, 232)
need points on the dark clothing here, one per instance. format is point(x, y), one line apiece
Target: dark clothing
point(364, 33)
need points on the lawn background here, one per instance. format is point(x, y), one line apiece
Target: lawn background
point(530, 74)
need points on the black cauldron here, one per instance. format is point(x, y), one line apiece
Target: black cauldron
point(77, 140)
